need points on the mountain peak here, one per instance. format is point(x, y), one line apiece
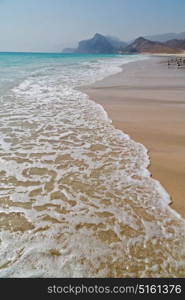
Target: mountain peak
point(95, 45)
point(98, 35)
point(142, 45)
point(98, 44)
point(140, 39)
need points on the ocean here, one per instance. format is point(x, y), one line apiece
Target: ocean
point(76, 197)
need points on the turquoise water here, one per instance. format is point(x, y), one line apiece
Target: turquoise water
point(16, 66)
point(76, 198)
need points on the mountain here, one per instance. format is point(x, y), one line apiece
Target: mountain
point(142, 45)
point(176, 43)
point(115, 42)
point(98, 44)
point(166, 37)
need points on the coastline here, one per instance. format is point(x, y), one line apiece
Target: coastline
point(76, 192)
point(146, 101)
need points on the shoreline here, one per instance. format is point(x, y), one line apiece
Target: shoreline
point(145, 100)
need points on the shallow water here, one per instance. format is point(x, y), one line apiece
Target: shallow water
point(76, 198)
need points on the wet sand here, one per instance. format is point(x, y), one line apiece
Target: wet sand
point(147, 101)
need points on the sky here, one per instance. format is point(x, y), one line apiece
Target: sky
point(51, 25)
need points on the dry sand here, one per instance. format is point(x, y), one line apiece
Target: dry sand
point(147, 101)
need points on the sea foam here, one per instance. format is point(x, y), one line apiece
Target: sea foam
point(77, 199)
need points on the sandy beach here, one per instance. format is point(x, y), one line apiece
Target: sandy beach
point(75, 197)
point(147, 101)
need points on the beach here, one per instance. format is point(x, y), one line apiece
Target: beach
point(146, 101)
point(76, 196)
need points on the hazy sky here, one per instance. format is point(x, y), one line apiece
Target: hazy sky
point(50, 25)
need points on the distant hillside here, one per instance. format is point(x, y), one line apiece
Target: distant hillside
point(142, 45)
point(98, 44)
point(115, 42)
point(176, 43)
point(166, 37)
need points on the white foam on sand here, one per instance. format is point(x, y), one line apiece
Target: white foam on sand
point(77, 199)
